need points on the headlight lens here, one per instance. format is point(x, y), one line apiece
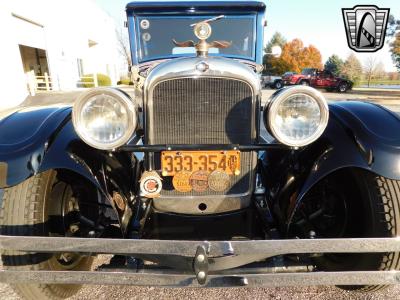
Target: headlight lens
point(297, 116)
point(104, 118)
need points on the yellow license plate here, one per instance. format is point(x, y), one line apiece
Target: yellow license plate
point(173, 162)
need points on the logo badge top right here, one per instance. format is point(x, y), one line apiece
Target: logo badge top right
point(365, 27)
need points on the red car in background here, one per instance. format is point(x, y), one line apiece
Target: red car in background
point(318, 79)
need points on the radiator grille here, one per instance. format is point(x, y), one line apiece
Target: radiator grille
point(203, 111)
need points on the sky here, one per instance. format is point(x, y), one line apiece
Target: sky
point(316, 22)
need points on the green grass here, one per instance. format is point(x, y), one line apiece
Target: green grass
point(379, 81)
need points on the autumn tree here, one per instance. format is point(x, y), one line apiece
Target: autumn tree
point(334, 64)
point(295, 57)
point(277, 40)
point(352, 68)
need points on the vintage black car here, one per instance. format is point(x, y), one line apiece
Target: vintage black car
point(193, 180)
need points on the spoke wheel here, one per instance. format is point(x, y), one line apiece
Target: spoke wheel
point(351, 203)
point(46, 206)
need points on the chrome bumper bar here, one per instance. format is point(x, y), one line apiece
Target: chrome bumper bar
point(211, 271)
point(266, 248)
point(214, 280)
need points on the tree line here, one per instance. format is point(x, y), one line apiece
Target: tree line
point(295, 56)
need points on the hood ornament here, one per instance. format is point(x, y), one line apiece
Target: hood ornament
point(202, 30)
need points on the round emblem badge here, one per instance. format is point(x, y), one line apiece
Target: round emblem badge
point(199, 181)
point(145, 24)
point(218, 181)
point(181, 181)
point(150, 184)
point(146, 37)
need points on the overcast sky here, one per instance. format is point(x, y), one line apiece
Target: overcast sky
point(315, 22)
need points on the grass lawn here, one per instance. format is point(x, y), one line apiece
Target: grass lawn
point(380, 81)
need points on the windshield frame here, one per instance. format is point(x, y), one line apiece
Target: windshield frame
point(135, 35)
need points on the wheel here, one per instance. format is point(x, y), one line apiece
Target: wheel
point(278, 84)
point(304, 82)
point(352, 204)
point(36, 208)
point(342, 88)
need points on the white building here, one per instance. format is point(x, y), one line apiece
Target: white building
point(61, 39)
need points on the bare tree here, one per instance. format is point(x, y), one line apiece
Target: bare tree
point(380, 71)
point(370, 68)
point(124, 48)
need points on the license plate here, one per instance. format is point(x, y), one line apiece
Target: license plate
point(173, 162)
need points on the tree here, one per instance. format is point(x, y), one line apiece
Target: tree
point(352, 68)
point(295, 57)
point(370, 68)
point(395, 50)
point(393, 26)
point(334, 64)
point(373, 69)
point(277, 40)
point(124, 50)
point(393, 31)
point(380, 72)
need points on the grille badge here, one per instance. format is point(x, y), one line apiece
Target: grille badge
point(202, 66)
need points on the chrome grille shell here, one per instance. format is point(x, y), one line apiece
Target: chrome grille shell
point(226, 72)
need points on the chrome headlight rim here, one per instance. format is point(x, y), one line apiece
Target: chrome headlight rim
point(279, 97)
point(118, 96)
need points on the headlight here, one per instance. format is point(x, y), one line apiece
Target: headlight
point(296, 116)
point(104, 118)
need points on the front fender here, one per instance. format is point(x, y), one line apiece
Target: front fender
point(359, 135)
point(25, 136)
point(34, 140)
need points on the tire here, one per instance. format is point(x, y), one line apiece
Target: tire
point(305, 83)
point(278, 84)
point(373, 210)
point(29, 204)
point(343, 87)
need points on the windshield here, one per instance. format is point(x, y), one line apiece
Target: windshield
point(308, 71)
point(155, 34)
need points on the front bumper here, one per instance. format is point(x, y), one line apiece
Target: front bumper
point(218, 266)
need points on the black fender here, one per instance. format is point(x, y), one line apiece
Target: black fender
point(34, 140)
point(359, 135)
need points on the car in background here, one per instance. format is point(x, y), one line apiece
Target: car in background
point(274, 82)
point(318, 79)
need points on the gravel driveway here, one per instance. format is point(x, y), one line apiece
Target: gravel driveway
point(123, 292)
point(312, 292)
